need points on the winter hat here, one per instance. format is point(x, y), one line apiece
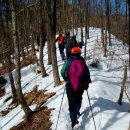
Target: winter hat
point(75, 51)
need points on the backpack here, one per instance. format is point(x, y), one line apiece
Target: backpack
point(61, 39)
point(78, 73)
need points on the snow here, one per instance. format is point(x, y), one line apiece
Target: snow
point(103, 92)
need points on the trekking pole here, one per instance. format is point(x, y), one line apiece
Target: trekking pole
point(91, 109)
point(60, 109)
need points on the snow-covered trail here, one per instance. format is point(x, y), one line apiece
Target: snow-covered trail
point(103, 92)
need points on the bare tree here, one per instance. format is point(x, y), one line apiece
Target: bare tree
point(49, 49)
point(6, 51)
point(108, 20)
point(86, 8)
point(42, 37)
point(128, 1)
point(21, 98)
point(123, 85)
point(51, 13)
point(30, 13)
point(81, 19)
point(64, 12)
point(102, 29)
point(106, 26)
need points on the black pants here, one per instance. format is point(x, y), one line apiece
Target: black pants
point(61, 47)
point(74, 100)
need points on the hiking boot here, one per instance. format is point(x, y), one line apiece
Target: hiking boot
point(74, 123)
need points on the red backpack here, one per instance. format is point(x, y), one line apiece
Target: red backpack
point(61, 39)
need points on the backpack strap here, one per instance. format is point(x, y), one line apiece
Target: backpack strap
point(68, 66)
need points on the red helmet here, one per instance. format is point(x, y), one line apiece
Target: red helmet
point(75, 50)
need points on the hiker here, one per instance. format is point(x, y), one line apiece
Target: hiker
point(77, 77)
point(42, 37)
point(61, 44)
point(70, 42)
point(67, 39)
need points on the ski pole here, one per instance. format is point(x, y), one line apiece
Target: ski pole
point(60, 109)
point(91, 109)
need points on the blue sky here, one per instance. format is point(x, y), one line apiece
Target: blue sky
point(122, 8)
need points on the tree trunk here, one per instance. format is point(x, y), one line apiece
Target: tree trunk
point(51, 12)
point(88, 15)
point(123, 86)
point(73, 16)
point(64, 12)
point(42, 39)
point(43, 71)
point(26, 30)
point(6, 55)
point(32, 36)
point(21, 98)
point(1, 20)
point(102, 28)
point(86, 25)
point(49, 50)
point(106, 28)
point(9, 69)
point(108, 20)
point(128, 1)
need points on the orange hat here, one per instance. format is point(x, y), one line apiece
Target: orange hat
point(75, 50)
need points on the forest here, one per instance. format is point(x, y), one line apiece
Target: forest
point(28, 32)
